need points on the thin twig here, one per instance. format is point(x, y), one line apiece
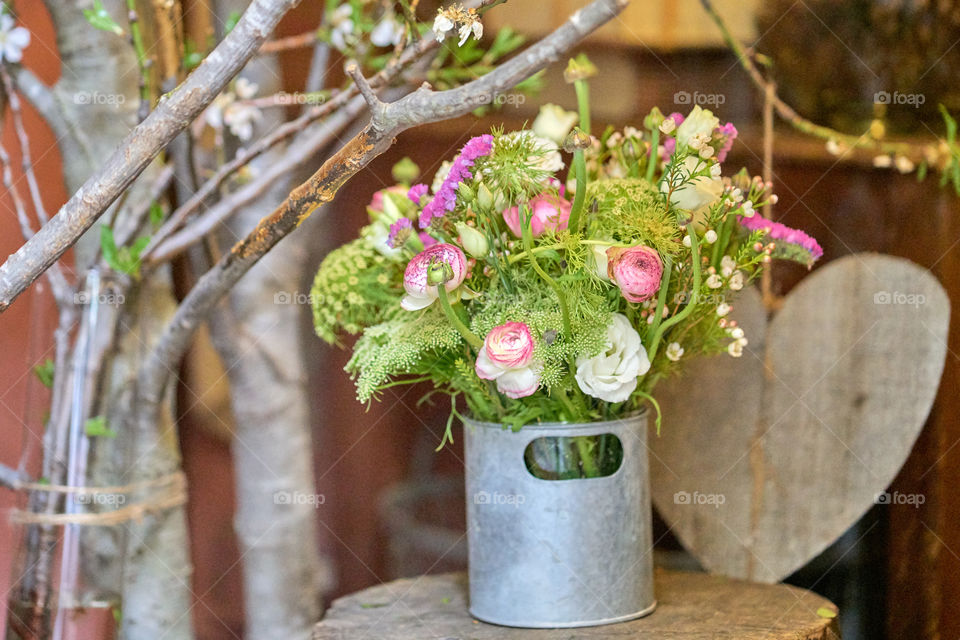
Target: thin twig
point(298, 41)
point(13, 98)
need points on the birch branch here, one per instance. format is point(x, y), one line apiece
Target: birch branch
point(387, 121)
point(173, 113)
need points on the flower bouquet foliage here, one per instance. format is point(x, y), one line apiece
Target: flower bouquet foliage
point(541, 294)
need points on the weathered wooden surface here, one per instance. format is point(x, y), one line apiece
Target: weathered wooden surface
point(692, 606)
point(766, 460)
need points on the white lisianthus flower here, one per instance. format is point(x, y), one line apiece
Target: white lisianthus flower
point(697, 193)
point(674, 351)
point(554, 122)
point(13, 40)
point(700, 124)
point(612, 374)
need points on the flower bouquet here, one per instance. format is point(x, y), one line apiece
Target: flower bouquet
point(553, 301)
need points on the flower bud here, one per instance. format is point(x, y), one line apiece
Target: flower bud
point(472, 241)
point(654, 119)
point(484, 197)
point(579, 68)
point(406, 171)
point(439, 273)
point(576, 139)
point(466, 192)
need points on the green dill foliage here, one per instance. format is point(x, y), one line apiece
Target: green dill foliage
point(631, 210)
point(355, 287)
point(519, 165)
point(421, 343)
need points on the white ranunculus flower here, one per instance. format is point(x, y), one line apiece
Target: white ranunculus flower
point(700, 122)
point(694, 194)
point(554, 122)
point(612, 374)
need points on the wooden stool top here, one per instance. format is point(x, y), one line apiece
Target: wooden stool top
point(692, 606)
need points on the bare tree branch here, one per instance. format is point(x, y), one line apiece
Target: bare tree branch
point(11, 478)
point(420, 107)
point(173, 113)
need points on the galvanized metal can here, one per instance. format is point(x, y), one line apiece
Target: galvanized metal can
point(557, 553)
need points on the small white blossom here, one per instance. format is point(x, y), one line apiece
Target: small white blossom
point(715, 170)
point(735, 348)
point(342, 24)
point(388, 32)
point(714, 281)
point(687, 242)
point(747, 210)
point(727, 266)
point(13, 40)
point(736, 281)
point(882, 162)
point(835, 148)
point(441, 25)
point(674, 351)
point(706, 151)
point(723, 309)
point(440, 176)
point(667, 126)
point(710, 236)
point(903, 164)
point(736, 333)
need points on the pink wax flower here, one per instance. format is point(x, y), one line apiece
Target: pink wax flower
point(507, 357)
point(549, 212)
point(725, 135)
point(782, 232)
point(420, 294)
point(636, 270)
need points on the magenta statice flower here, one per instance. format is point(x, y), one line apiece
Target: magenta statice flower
point(782, 232)
point(400, 232)
point(427, 240)
point(416, 192)
point(446, 197)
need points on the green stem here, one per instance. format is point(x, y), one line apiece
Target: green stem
point(580, 171)
point(656, 406)
point(528, 247)
point(137, 38)
point(652, 160)
point(662, 297)
point(455, 320)
point(583, 103)
point(587, 462)
point(694, 293)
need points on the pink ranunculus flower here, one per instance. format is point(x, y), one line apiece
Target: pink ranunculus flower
point(507, 357)
point(549, 212)
point(636, 270)
point(420, 294)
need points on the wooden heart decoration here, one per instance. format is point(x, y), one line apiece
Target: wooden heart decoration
point(766, 460)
